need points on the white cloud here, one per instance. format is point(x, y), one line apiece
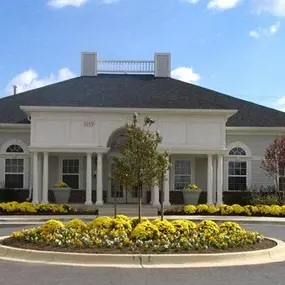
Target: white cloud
point(110, 1)
point(77, 3)
point(254, 34)
point(223, 4)
point(265, 31)
point(275, 7)
point(280, 104)
point(30, 79)
point(190, 1)
point(274, 28)
point(64, 3)
point(185, 74)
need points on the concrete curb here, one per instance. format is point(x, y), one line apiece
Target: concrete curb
point(18, 220)
point(275, 254)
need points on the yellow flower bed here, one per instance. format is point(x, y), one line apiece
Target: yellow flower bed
point(26, 207)
point(157, 235)
point(258, 210)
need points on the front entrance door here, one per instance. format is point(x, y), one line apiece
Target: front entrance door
point(123, 196)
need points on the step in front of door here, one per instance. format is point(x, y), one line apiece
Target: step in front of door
point(131, 212)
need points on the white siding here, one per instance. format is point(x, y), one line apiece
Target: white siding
point(256, 143)
point(7, 136)
point(53, 170)
point(201, 172)
point(259, 176)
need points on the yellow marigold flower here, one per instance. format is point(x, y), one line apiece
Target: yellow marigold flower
point(190, 209)
point(51, 225)
point(76, 224)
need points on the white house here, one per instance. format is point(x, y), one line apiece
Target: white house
point(71, 130)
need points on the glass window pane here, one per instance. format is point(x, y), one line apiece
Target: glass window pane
point(14, 165)
point(70, 166)
point(237, 183)
point(237, 151)
point(71, 180)
point(14, 180)
point(182, 174)
point(231, 171)
point(14, 148)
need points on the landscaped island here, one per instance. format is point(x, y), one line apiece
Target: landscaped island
point(125, 235)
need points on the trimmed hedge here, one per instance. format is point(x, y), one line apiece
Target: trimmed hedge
point(234, 210)
point(15, 208)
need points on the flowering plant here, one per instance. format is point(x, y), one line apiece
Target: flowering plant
point(192, 187)
point(61, 185)
point(148, 236)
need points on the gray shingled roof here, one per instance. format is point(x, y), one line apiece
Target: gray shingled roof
point(137, 91)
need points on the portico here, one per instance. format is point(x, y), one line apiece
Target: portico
point(77, 147)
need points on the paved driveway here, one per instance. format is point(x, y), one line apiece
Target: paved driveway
point(35, 274)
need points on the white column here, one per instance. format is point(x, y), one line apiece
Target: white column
point(45, 179)
point(210, 180)
point(88, 200)
point(166, 201)
point(220, 165)
point(99, 190)
point(155, 197)
point(30, 177)
point(40, 173)
point(35, 179)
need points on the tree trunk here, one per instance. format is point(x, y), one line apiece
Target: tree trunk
point(162, 201)
point(140, 202)
point(115, 204)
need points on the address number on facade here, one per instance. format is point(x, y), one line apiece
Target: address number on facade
point(88, 124)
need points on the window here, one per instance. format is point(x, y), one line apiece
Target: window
point(237, 175)
point(118, 142)
point(14, 148)
point(237, 151)
point(237, 170)
point(70, 172)
point(182, 175)
point(14, 168)
point(14, 173)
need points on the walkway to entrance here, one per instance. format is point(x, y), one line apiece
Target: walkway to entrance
point(130, 210)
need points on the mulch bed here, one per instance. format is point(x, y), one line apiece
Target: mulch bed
point(95, 212)
point(92, 250)
point(182, 213)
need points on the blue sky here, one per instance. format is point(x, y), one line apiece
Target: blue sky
point(232, 46)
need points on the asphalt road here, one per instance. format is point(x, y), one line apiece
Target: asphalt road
point(35, 274)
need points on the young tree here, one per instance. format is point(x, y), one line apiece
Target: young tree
point(140, 164)
point(274, 160)
point(119, 176)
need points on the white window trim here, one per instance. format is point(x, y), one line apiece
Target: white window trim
point(247, 158)
point(172, 170)
point(16, 155)
point(241, 145)
point(61, 158)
